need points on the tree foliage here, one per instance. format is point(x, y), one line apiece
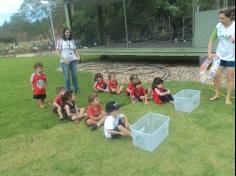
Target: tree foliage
point(32, 21)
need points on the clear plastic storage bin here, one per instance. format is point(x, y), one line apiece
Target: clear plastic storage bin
point(187, 100)
point(150, 131)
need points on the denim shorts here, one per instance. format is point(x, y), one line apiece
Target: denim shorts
point(225, 63)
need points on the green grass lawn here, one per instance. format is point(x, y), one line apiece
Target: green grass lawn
point(34, 142)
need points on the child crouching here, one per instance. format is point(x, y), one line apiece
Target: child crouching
point(160, 93)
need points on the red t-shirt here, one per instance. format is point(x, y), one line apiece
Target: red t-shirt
point(112, 84)
point(138, 92)
point(100, 84)
point(129, 88)
point(156, 97)
point(39, 83)
point(94, 112)
point(58, 100)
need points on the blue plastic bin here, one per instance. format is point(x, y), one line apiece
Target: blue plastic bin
point(187, 100)
point(149, 131)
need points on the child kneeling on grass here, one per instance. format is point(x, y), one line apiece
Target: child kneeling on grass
point(160, 93)
point(69, 110)
point(57, 103)
point(116, 124)
point(95, 113)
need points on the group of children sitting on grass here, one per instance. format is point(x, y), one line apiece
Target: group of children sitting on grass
point(115, 124)
point(135, 89)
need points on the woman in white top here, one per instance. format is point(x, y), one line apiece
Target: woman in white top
point(225, 33)
point(69, 58)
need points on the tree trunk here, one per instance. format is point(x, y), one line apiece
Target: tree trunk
point(101, 24)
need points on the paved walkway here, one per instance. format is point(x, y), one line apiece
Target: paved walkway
point(26, 55)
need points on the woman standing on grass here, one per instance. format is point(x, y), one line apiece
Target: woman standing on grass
point(69, 57)
point(225, 33)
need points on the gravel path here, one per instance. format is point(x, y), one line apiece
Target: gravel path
point(146, 71)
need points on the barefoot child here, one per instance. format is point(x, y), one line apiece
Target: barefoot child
point(69, 110)
point(116, 124)
point(139, 93)
point(100, 85)
point(95, 113)
point(39, 84)
point(57, 103)
point(113, 86)
point(159, 91)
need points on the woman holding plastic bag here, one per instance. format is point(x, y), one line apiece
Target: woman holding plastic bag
point(225, 33)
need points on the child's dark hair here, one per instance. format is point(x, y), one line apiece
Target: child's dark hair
point(110, 75)
point(157, 81)
point(228, 12)
point(92, 97)
point(68, 95)
point(59, 89)
point(133, 76)
point(97, 75)
point(38, 64)
point(137, 82)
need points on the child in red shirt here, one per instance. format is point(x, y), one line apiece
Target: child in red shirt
point(57, 103)
point(39, 84)
point(131, 84)
point(160, 93)
point(100, 85)
point(95, 113)
point(139, 93)
point(113, 86)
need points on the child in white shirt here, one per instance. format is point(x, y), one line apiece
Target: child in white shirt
point(116, 124)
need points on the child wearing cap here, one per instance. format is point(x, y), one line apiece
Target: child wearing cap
point(95, 113)
point(116, 124)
